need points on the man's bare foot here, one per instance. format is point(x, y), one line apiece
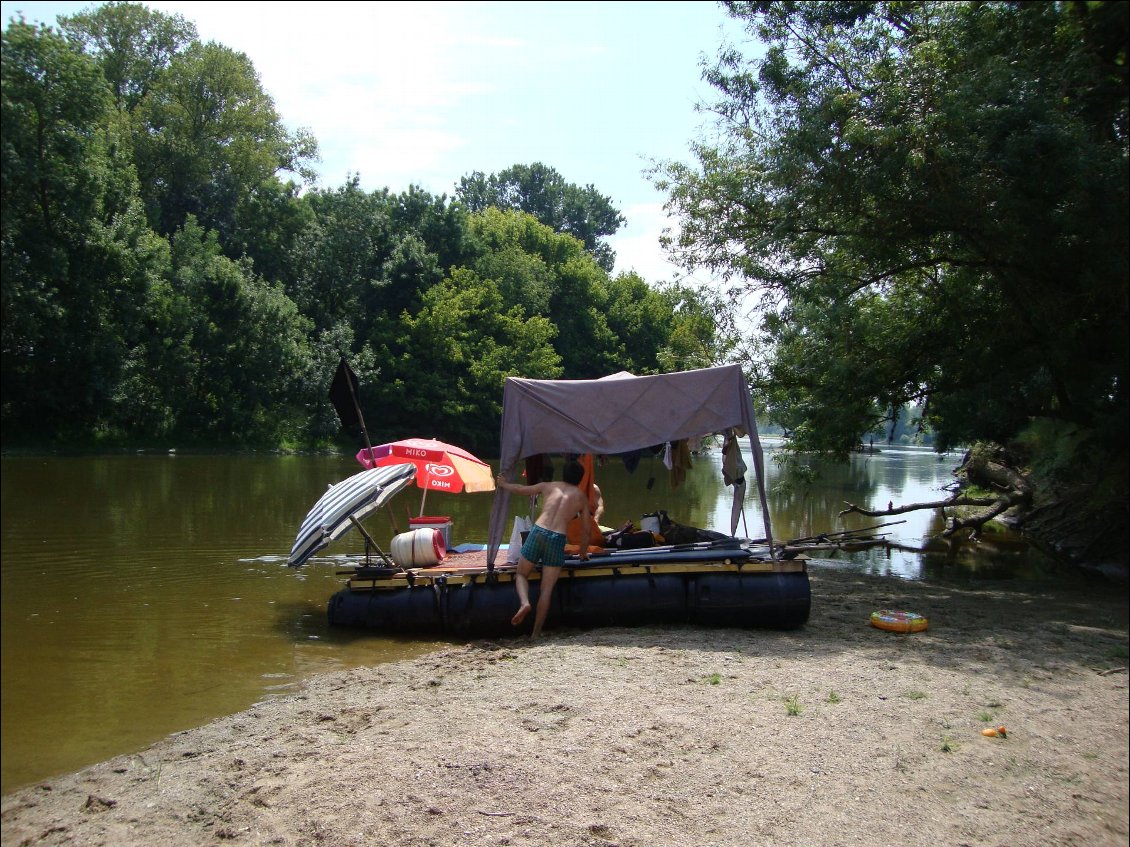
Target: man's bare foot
point(520, 615)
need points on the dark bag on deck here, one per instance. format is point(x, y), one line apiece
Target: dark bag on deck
point(628, 538)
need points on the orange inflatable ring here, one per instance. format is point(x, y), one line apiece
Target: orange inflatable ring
point(898, 621)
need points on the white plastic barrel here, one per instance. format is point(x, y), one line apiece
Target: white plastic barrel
point(420, 548)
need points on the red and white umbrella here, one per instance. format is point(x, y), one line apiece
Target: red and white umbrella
point(439, 466)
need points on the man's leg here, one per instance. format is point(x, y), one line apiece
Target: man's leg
point(545, 595)
point(522, 586)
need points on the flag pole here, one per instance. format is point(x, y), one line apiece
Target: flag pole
point(350, 379)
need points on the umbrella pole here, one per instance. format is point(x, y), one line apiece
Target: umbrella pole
point(369, 542)
point(422, 499)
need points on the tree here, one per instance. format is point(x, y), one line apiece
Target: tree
point(77, 259)
point(699, 332)
point(240, 345)
point(208, 140)
point(913, 191)
point(458, 351)
point(641, 318)
point(363, 258)
point(142, 53)
point(549, 274)
point(541, 191)
point(132, 44)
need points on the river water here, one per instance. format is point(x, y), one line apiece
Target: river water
point(148, 594)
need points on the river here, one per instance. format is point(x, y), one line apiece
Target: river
point(147, 594)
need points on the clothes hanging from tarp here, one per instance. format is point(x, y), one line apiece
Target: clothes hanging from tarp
point(632, 459)
point(733, 472)
point(733, 465)
point(680, 461)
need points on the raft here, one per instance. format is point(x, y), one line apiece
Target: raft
point(463, 598)
point(721, 581)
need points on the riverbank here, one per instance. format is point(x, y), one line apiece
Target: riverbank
point(837, 733)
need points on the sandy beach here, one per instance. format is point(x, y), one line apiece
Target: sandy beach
point(834, 734)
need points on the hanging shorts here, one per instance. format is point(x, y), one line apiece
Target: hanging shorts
point(544, 547)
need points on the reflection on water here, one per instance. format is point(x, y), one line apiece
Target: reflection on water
point(144, 595)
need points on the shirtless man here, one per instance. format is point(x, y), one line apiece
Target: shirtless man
point(561, 502)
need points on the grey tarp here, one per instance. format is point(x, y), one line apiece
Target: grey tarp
point(618, 414)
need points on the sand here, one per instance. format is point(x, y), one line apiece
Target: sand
point(834, 734)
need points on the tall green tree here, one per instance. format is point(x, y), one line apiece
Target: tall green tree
point(930, 201)
point(241, 345)
point(133, 45)
point(77, 258)
point(208, 140)
point(541, 191)
point(699, 328)
point(142, 52)
point(550, 274)
point(455, 356)
point(363, 258)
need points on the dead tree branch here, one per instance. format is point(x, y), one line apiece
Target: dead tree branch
point(980, 469)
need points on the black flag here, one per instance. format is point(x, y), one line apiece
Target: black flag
point(343, 394)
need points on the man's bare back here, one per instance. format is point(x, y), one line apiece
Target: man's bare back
point(560, 503)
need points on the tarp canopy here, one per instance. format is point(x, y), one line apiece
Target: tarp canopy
point(619, 414)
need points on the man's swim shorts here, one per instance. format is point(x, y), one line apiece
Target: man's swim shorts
point(544, 547)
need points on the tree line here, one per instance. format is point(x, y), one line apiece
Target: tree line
point(170, 273)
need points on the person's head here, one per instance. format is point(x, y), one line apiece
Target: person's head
point(573, 472)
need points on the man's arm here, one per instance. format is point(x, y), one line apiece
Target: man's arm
point(514, 488)
point(598, 513)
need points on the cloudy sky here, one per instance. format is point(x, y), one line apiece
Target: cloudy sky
point(424, 93)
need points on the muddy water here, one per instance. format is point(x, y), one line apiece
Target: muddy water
point(148, 594)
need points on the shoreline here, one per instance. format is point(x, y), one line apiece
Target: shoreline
point(836, 733)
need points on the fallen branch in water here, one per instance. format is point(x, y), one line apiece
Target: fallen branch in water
point(979, 469)
point(849, 539)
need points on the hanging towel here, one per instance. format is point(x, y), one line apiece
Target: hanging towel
point(680, 462)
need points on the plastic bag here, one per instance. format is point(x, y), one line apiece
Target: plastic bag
point(521, 525)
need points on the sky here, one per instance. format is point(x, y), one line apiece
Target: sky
point(422, 94)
